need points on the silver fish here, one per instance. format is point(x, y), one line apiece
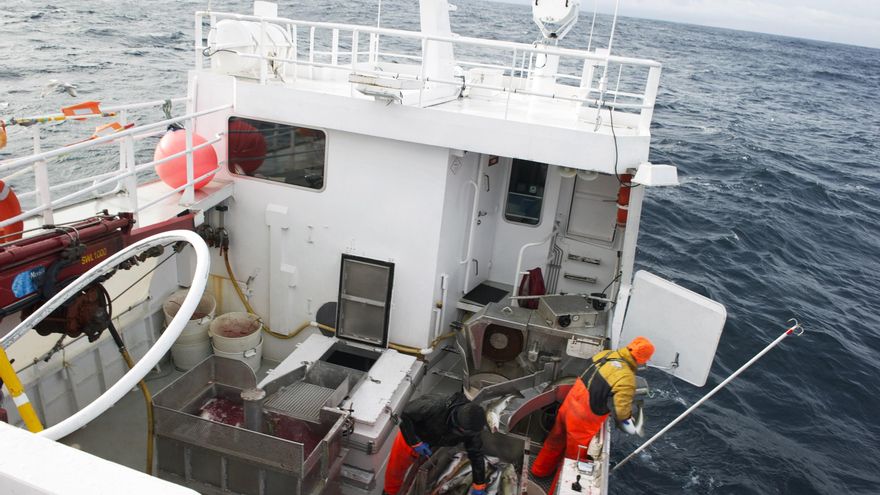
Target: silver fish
point(493, 412)
point(462, 478)
point(509, 481)
point(494, 483)
point(452, 469)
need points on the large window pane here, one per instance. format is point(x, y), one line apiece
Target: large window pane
point(525, 193)
point(277, 152)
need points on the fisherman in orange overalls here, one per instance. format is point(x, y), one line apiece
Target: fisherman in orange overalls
point(612, 375)
point(433, 421)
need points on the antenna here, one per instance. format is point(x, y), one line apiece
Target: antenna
point(555, 18)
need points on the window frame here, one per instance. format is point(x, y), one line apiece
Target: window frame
point(509, 177)
point(270, 181)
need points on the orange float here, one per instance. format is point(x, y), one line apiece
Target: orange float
point(173, 172)
point(247, 147)
point(9, 208)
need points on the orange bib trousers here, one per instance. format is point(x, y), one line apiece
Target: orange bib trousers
point(401, 459)
point(575, 425)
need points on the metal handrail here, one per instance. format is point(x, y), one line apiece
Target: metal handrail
point(15, 163)
point(124, 177)
point(606, 97)
point(455, 40)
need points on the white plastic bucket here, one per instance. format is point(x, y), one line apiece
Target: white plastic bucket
point(187, 355)
point(197, 329)
point(236, 332)
point(253, 357)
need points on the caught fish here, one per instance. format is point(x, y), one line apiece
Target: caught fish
point(494, 483)
point(509, 481)
point(456, 464)
point(461, 479)
point(493, 412)
point(56, 86)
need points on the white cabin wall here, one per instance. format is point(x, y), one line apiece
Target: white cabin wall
point(381, 199)
point(510, 237)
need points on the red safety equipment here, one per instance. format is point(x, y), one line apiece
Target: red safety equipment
point(532, 285)
point(641, 349)
point(623, 198)
point(401, 459)
point(9, 207)
point(173, 172)
point(247, 147)
point(575, 425)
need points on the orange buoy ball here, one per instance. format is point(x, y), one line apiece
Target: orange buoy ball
point(173, 172)
point(9, 208)
point(247, 147)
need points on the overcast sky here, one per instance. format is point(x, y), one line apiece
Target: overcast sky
point(855, 22)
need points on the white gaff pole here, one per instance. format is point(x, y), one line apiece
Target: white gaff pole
point(795, 329)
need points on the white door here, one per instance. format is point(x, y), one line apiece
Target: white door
point(684, 326)
point(490, 185)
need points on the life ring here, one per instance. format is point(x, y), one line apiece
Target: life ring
point(9, 208)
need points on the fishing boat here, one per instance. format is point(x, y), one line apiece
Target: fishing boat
point(346, 217)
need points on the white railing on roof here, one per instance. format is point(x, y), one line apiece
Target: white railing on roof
point(586, 82)
point(124, 178)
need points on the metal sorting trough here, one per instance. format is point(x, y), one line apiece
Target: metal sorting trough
point(298, 450)
point(508, 447)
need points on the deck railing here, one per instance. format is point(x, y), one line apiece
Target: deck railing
point(589, 78)
point(123, 180)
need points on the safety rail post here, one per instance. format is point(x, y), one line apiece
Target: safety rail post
point(311, 52)
point(264, 62)
point(510, 88)
point(189, 196)
point(41, 179)
point(123, 120)
point(355, 38)
point(334, 47)
point(198, 41)
point(423, 70)
point(617, 85)
point(294, 37)
point(650, 99)
point(127, 166)
point(131, 181)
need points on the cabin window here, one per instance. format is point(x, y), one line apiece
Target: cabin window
point(277, 152)
point(525, 193)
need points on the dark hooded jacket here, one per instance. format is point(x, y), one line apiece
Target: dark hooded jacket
point(428, 419)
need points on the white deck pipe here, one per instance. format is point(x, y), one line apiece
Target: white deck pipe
point(159, 349)
point(519, 261)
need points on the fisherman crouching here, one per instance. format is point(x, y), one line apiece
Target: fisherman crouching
point(433, 421)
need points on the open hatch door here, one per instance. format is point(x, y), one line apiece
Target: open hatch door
point(684, 326)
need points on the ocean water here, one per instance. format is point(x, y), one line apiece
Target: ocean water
point(776, 143)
